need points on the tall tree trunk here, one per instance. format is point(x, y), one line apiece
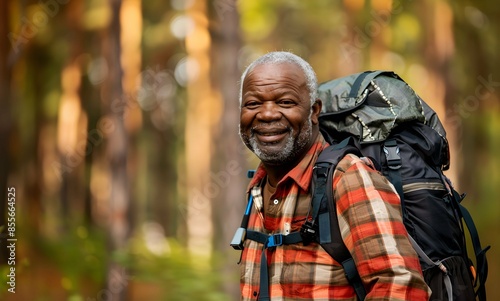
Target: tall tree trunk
point(203, 111)
point(72, 123)
point(228, 169)
point(116, 152)
point(466, 109)
point(438, 48)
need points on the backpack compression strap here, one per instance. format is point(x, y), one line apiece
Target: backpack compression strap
point(391, 151)
point(364, 78)
point(439, 264)
point(480, 253)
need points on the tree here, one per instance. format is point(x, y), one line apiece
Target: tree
point(116, 150)
point(229, 164)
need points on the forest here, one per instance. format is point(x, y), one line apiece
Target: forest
point(122, 171)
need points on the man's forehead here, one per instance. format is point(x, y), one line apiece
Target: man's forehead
point(275, 70)
point(288, 66)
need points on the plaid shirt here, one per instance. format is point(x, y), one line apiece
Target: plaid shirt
point(371, 225)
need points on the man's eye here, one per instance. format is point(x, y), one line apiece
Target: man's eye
point(251, 104)
point(286, 102)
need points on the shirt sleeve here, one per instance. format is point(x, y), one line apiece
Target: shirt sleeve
point(371, 225)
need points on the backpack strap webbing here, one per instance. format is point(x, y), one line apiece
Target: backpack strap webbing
point(439, 264)
point(479, 252)
point(337, 248)
point(269, 241)
point(363, 79)
point(324, 206)
point(391, 151)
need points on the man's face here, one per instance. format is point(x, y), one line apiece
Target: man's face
point(276, 121)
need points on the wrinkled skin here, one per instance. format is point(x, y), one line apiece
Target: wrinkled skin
point(277, 121)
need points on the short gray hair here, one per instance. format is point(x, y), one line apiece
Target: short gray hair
point(280, 57)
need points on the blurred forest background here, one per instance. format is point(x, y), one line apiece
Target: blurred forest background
point(119, 128)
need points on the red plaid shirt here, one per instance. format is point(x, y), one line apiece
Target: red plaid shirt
point(371, 225)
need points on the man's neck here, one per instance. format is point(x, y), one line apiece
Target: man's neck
point(276, 172)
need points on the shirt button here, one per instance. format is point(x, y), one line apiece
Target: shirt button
point(276, 201)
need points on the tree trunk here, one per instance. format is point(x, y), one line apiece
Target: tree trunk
point(116, 153)
point(203, 111)
point(229, 168)
point(438, 48)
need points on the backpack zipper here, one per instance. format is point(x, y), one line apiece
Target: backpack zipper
point(412, 187)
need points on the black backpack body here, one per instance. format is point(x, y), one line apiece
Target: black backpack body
point(377, 115)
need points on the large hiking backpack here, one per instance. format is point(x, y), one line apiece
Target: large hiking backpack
point(377, 115)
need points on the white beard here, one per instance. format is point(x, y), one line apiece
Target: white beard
point(293, 146)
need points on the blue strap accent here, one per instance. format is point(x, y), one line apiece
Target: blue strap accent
point(274, 240)
point(270, 241)
point(249, 207)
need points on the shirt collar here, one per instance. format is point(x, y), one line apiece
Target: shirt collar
point(301, 173)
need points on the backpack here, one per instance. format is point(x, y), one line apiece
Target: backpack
point(375, 114)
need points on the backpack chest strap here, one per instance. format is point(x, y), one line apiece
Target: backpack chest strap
point(270, 241)
point(274, 240)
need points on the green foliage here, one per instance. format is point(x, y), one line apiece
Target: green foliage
point(181, 275)
point(259, 20)
point(5, 270)
point(79, 254)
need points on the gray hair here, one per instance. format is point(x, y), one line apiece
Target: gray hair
point(280, 57)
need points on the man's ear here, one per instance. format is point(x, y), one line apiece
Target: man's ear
point(316, 110)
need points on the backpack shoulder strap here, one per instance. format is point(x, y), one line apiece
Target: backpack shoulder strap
point(324, 210)
point(479, 252)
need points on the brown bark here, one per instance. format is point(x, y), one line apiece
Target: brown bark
point(116, 153)
point(229, 167)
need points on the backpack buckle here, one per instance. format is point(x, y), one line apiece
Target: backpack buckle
point(238, 239)
point(392, 154)
point(321, 171)
point(274, 240)
point(308, 232)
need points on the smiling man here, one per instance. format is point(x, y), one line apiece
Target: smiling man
point(279, 123)
point(276, 115)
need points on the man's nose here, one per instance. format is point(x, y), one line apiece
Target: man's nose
point(269, 111)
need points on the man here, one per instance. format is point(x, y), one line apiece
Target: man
point(279, 123)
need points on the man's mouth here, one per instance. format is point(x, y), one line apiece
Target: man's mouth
point(270, 135)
